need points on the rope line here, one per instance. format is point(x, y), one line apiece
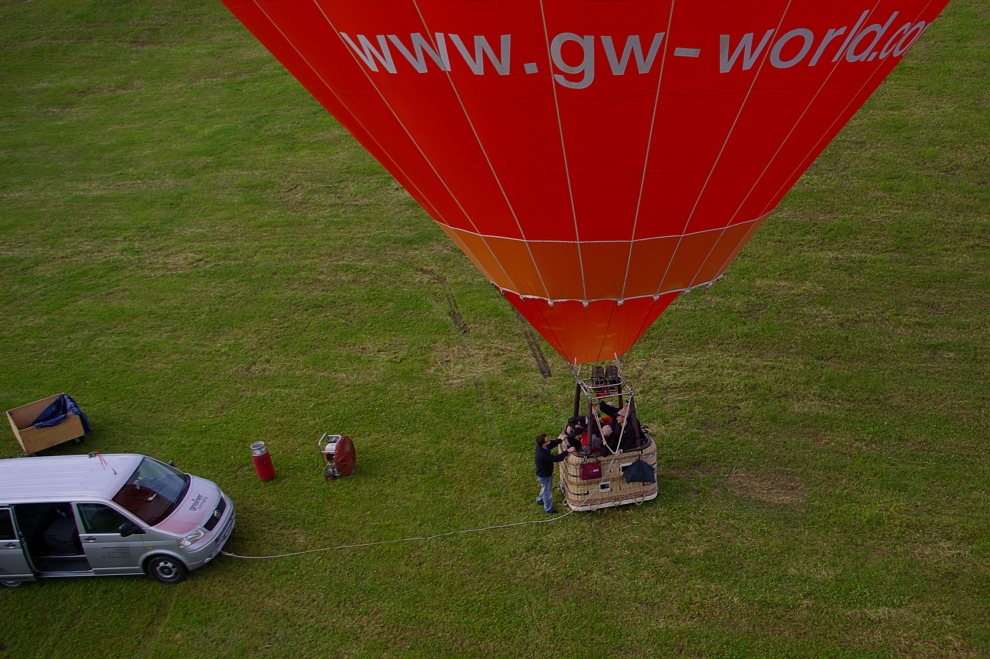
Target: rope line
point(400, 540)
point(423, 538)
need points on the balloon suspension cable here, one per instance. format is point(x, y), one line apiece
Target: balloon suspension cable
point(643, 371)
point(625, 422)
point(600, 387)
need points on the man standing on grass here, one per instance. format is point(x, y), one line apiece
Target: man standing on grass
point(544, 470)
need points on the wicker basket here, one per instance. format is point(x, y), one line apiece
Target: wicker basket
point(611, 489)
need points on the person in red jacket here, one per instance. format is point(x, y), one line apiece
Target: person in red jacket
point(544, 469)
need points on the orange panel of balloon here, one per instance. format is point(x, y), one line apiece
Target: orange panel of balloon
point(593, 159)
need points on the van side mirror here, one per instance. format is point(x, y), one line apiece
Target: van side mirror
point(127, 528)
point(171, 463)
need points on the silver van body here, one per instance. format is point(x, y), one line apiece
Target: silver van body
point(79, 515)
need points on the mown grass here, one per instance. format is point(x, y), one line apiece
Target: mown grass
point(202, 257)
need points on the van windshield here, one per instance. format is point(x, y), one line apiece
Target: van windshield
point(153, 491)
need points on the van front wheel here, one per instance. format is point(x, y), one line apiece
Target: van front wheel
point(166, 569)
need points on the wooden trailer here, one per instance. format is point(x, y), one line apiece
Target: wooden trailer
point(33, 439)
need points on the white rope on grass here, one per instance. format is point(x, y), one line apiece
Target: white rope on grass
point(413, 539)
point(425, 538)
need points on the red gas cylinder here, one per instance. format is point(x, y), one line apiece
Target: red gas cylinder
point(262, 461)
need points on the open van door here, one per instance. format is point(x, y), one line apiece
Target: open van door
point(14, 567)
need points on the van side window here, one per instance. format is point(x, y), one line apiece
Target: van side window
point(6, 525)
point(97, 518)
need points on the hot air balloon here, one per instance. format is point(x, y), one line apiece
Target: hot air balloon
point(594, 159)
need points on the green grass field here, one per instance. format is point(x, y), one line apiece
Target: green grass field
point(202, 257)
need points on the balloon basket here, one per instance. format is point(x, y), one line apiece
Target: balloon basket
point(611, 489)
point(595, 475)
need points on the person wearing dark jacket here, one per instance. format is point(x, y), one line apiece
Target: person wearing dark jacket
point(544, 470)
point(574, 432)
point(622, 433)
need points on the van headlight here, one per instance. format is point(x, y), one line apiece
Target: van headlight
point(191, 538)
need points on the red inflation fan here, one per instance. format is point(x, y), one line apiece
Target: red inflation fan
point(338, 454)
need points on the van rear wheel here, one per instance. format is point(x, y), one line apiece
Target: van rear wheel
point(166, 569)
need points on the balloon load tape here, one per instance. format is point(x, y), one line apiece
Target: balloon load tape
point(339, 456)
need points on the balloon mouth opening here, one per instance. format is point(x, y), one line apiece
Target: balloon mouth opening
point(617, 301)
point(586, 331)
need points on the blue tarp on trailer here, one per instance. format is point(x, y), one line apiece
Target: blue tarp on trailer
point(59, 411)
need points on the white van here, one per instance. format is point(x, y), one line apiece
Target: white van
point(79, 515)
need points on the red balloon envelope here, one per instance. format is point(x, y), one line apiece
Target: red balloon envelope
point(593, 159)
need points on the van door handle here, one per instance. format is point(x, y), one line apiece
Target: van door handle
point(89, 539)
point(10, 545)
